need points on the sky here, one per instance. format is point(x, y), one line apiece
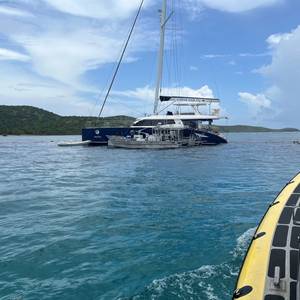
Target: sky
point(59, 55)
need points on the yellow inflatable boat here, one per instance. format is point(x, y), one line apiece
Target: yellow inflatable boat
point(270, 268)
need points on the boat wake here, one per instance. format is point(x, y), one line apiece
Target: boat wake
point(242, 243)
point(210, 282)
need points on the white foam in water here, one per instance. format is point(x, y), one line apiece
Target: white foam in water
point(208, 290)
point(243, 242)
point(202, 283)
point(186, 284)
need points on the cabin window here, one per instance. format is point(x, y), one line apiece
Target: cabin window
point(169, 122)
point(144, 123)
point(190, 123)
point(154, 122)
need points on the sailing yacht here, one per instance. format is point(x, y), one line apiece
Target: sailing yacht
point(195, 114)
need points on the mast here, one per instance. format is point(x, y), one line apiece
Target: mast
point(163, 22)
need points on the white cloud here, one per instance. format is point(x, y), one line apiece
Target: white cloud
point(254, 54)
point(283, 74)
point(241, 55)
point(6, 54)
point(277, 38)
point(18, 87)
point(147, 93)
point(142, 99)
point(194, 68)
point(235, 6)
point(113, 9)
point(256, 103)
point(14, 12)
point(194, 8)
point(204, 92)
point(65, 48)
point(61, 48)
point(65, 57)
point(212, 56)
point(144, 94)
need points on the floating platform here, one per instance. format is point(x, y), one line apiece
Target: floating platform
point(270, 268)
point(74, 144)
point(121, 142)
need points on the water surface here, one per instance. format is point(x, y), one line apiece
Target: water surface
point(98, 223)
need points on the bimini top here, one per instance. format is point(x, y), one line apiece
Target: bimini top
point(154, 120)
point(188, 116)
point(182, 101)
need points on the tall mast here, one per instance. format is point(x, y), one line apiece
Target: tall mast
point(163, 22)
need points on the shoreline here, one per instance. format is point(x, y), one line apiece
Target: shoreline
point(67, 134)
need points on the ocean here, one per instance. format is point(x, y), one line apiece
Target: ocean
point(98, 223)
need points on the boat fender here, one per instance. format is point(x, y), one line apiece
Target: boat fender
point(259, 235)
point(245, 290)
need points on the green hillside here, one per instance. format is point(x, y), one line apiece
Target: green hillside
point(245, 128)
point(36, 121)
point(17, 120)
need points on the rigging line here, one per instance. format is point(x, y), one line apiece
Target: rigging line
point(178, 60)
point(173, 55)
point(121, 58)
point(164, 108)
point(175, 51)
point(166, 82)
point(111, 72)
point(166, 70)
point(214, 78)
point(171, 60)
point(176, 54)
point(180, 43)
point(102, 91)
point(172, 48)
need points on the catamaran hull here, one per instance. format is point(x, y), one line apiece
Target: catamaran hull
point(99, 136)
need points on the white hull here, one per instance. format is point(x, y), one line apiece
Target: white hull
point(73, 144)
point(132, 144)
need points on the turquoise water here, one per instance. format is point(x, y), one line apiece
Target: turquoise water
point(93, 223)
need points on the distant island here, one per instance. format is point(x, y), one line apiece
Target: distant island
point(29, 120)
point(247, 128)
